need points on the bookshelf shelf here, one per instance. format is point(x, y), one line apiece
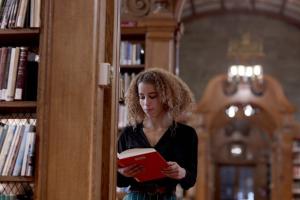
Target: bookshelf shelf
point(132, 68)
point(21, 36)
point(20, 32)
point(133, 31)
point(16, 179)
point(18, 106)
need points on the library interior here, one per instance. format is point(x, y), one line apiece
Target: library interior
point(65, 67)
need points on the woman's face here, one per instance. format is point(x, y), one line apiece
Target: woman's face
point(150, 100)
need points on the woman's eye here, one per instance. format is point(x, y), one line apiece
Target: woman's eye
point(142, 97)
point(153, 97)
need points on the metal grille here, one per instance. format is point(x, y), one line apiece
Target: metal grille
point(17, 188)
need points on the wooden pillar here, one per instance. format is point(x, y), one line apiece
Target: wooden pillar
point(75, 162)
point(203, 164)
point(160, 43)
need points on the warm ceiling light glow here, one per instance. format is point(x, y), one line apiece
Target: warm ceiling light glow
point(244, 73)
point(236, 150)
point(231, 111)
point(249, 110)
point(257, 70)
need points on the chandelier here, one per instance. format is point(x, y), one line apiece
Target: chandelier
point(245, 70)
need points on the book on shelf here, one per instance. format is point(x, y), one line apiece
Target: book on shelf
point(21, 73)
point(24, 144)
point(131, 53)
point(296, 146)
point(6, 146)
point(12, 74)
point(3, 59)
point(20, 14)
point(5, 74)
point(149, 158)
point(12, 151)
point(31, 80)
point(3, 135)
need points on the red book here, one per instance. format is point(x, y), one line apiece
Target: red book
point(151, 160)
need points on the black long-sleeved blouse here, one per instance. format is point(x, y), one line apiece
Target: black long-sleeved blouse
point(179, 144)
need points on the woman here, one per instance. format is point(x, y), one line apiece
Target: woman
point(155, 99)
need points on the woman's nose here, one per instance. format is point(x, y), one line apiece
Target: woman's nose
point(147, 101)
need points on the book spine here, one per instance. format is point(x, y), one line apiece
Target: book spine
point(21, 73)
point(16, 150)
point(6, 146)
point(11, 84)
point(2, 138)
point(19, 160)
point(30, 157)
point(5, 77)
point(11, 151)
point(2, 67)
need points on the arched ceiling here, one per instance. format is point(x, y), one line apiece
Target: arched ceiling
point(288, 10)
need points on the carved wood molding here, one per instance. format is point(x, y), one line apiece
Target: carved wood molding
point(138, 9)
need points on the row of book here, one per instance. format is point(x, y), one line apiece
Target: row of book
point(296, 187)
point(18, 74)
point(296, 159)
point(296, 146)
point(125, 80)
point(20, 13)
point(131, 53)
point(123, 121)
point(296, 172)
point(17, 142)
point(8, 197)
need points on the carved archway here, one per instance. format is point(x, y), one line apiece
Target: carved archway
point(275, 119)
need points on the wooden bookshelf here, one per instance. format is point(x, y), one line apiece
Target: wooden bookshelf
point(132, 68)
point(18, 37)
point(16, 178)
point(18, 107)
point(17, 104)
point(22, 41)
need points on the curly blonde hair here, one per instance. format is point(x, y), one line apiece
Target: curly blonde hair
point(173, 92)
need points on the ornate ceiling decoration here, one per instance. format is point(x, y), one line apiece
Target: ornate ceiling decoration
point(286, 9)
point(135, 9)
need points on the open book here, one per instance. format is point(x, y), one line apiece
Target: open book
point(151, 160)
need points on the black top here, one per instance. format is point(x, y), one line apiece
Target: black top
point(179, 144)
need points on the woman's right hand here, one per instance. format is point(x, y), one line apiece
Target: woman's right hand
point(131, 170)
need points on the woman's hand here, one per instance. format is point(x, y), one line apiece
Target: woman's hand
point(131, 171)
point(174, 171)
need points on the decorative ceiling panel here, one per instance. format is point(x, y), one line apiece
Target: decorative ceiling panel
point(282, 8)
point(268, 7)
point(238, 4)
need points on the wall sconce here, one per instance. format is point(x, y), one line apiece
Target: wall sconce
point(248, 110)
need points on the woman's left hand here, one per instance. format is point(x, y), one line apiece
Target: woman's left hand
point(174, 171)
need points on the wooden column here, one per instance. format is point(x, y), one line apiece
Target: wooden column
point(160, 43)
point(74, 162)
point(202, 183)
